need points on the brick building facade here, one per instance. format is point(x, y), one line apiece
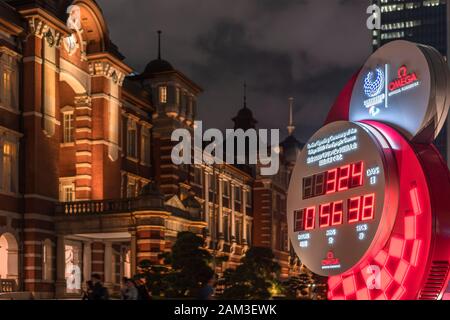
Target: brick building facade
point(87, 184)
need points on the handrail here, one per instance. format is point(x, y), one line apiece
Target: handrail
point(93, 207)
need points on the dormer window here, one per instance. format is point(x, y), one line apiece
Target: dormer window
point(163, 94)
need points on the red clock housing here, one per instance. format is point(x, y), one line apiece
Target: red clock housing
point(389, 239)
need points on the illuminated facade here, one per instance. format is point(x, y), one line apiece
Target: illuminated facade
point(424, 21)
point(87, 184)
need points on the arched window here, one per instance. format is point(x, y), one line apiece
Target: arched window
point(9, 257)
point(47, 265)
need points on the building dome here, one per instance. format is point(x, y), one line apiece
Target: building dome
point(158, 66)
point(244, 119)
point(291, 147)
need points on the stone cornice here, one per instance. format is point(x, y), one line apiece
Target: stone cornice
point(106, 69)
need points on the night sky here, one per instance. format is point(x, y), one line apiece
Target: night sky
point(307, 49)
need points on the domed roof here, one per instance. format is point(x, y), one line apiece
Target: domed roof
point(158, 66)
point(291, 142)
point(244, 118)
point(291, 147)
point(245, 113)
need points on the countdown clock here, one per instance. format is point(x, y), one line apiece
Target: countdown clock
point(369, 196)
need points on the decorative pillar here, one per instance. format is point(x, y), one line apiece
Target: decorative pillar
point(207, 201)
point(220, 208)
point(244, 215)
point(133, 256)
point(49, 83)
point(233, 216)
point(60, 267)
point(108, 265)
point(87, 260)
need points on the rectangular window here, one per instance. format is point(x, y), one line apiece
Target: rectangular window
point(131, 139)
point(145, 146)
point(198, 174)
point(248, 198)
point(178, 96)
point(226, 189)
point(6, 87)
point(237, 194)
point(68, 127)
point(67, 190)
point(212, 182)
point(249, 233)
point(69, 193)
point(9, 167)
point(238, 231)
point(226, 228)
point(163, 94)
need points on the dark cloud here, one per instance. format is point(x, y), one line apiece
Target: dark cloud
point(302, 48)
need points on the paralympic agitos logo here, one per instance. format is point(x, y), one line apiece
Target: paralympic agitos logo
point(378, 88)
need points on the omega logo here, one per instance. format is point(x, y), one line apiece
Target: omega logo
point(404, 79)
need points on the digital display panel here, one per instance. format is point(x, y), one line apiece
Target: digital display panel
point(335, 180)
point(338, 194)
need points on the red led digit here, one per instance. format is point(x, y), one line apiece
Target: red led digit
point(324, 216)
point(368, 207)
point(299, 216)
point(357, 175)
point(310, 216)
point(331, 181)
point(354, 206)
point(344, 177)
point(319, 184)
point(308, 187)
point(337, 213)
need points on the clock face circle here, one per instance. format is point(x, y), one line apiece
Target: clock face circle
point(342, 197)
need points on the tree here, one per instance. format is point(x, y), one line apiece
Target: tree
point(154, 275)
point(190, 266)
point(305, 285)
point(254, 278)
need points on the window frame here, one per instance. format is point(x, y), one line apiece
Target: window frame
point(68, 111)
point(162, 94)
point(132, 127)
point(64, 185)
point(9, 179)
point(145, 146)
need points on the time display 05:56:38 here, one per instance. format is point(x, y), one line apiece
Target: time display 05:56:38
point(359, 209)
